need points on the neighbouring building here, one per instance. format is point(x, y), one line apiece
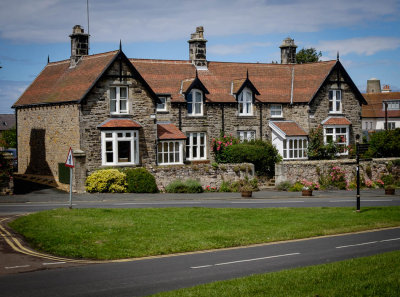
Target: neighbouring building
point(7, 122)
point(116, 111)
point(374, 115)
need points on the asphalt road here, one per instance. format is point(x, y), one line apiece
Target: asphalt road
point(143, 277)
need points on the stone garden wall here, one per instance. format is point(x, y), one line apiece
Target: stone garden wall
point(206, 174)
point(311, 170)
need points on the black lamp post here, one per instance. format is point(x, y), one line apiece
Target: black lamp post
point(358, 170)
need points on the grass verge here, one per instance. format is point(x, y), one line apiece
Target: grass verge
point(126, 233)
point(370, 276)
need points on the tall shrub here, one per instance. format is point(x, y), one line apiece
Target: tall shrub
point(219, 146)
point(384, 144)
point(317, 150)
point(139, 180)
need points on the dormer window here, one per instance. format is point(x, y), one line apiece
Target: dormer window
point(245, 103)
point(335, 101)
point(119, 100)
point(162, 106)
point(195, 103)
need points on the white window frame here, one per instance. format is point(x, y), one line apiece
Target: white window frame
point(295, 148)
point(392, 105)
point(196, 104)
point(170, 152)
point(246, 135)
point(118, 100)
point(335, 134)
point(335, 98)
point(164, 100)
point(276, 111)
point(115, 136)
point(193, 151)
point(391, 125)
point(245, 100)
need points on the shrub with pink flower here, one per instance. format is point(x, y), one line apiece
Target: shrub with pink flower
point(210, 189)
point(309, 185)
point(369, 183)
point(379, 183)
point(338, 177)
point(218, 144)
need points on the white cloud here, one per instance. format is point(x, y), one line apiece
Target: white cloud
point(222, 49)
point(10, 91)
point(362, 45)
point(160, 20)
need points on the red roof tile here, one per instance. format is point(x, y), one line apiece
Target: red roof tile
point(336, 121)
point(169, 131)
point(59, 83)
point(119, 123)
point(375, 108)
point(273, 81)
point(290, 128)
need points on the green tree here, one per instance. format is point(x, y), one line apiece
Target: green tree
point(9, 138)
point(308, 55)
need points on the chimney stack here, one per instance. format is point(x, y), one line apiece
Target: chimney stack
point(197, 49)
point(386, 89)
point(373, 85)
point(288, 51)
point(79, 44)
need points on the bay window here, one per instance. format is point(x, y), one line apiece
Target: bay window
point(196, 146)
point(295, 148)
point(120, 147)
point(170, 152)
point(119, 100)
point(338, 135)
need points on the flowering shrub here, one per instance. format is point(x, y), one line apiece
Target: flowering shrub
point(380, 183)
point(308, 185)
point(338, 178)
point(219, 144)
point(210, 189)
point(317, 149)
point(369, 183)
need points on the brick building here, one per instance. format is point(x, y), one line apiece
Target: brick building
point(115, 111)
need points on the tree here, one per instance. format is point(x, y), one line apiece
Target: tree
point(9, 138)
point(308, 55)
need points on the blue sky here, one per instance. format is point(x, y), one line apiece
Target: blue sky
point(365, 32)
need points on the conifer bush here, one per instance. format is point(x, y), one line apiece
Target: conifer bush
point(139, 180)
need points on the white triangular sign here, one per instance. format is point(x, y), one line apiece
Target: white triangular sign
point(70, 159)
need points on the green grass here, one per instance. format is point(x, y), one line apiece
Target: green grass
point(123, 233)
point(371, 276)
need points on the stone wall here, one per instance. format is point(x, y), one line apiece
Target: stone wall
point(206, 174)
point(311, 170)
point(45, 134)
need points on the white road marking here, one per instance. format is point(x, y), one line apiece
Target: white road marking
point(155, 203)
point(32, 204)
point(338, 201)
point(15, 267)
point(53, 263)
point(390, 239)
point(246, 260)
point(365, 243)
point(260, 202)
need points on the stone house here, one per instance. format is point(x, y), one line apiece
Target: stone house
point(115, 111)
point(374, 114)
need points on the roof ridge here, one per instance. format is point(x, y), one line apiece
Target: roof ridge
point(99, 55)
point(160, 61)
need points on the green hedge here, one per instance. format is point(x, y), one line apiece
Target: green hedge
point(384, 144)
point(261, 153)
point(187, 186)
point(139, 180)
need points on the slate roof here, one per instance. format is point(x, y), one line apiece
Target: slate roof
point(7, 121)
point(375, 108)
point(59, 83)
point(119, 123)
point(273, 81)
point(169, 131)
point(290, 128)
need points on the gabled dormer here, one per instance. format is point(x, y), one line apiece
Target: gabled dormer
point(194, 92)
point(244, 92)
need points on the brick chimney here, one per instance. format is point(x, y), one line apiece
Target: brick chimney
point(79, 44)
point(288, 51)
point(386, 89)
point(197, 49)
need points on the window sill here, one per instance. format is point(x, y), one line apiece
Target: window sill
point(196, 117)
point(336, 113)
point(246, 117)
point(120, 165)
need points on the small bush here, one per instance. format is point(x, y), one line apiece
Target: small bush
point(187, 186)
point(284, 186)
point(139, 180)
point(388, 179)
point(214, 165)
point(225, 187)
point(297, 187)
point(106, 181)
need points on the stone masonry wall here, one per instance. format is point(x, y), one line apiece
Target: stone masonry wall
point(45, 134)
point(311, 170)
point(206, 174)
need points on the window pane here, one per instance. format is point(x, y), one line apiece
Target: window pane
point(337, 105)
point(202, 138)
point(171, 146)
point(109, 146)
point(109, 157)
point(113, 105)
point(120, 135)
point(165, 146)
point(127, 134)
point(330, 95)
point(123, 92)
point(197, 108)
point(159, 147)
point(329, 130)
point(113, 93)
point(198, 97)
point(190, 108)
point(338, 95)
point(124, 151)
point(108, 135)
point(165, 157)
point(189, 97)
point(329, 138)
point(122, 106)
point(202, 152)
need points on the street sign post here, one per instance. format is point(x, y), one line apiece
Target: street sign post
point(70, 163)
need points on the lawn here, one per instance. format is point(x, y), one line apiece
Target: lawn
point(371, 276)
point(126, 233)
